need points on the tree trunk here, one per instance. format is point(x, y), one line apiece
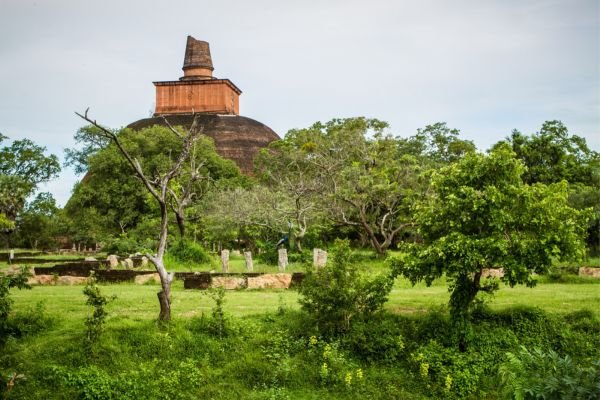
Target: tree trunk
point(180, 224)
point(164, 298)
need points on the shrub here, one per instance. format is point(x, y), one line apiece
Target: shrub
point(188, 251)
point(268, 253)
point(376, 340)
point(537, 374)
point(7, 282)
point(124, 245)
point(95, 322)
point(338, 294)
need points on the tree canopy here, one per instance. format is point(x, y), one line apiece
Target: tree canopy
point(482, 215)
point(23, 167)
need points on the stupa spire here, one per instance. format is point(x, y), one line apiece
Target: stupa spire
point(197, 63)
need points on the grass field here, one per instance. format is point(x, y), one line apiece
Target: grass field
point(266, 351)
point(139, 301)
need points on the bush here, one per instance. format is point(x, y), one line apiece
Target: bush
point(338, 294)
point(125, 245)
point(95, 322)
point(376, 341)
point(537, 374)
point(268, 253)
point(7, 282)
point(191, 252)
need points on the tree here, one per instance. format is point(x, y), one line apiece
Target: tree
point(36, 224)
point(246, 215)
point(553, 155)
point(436, 145)
point(157, 179)
point(23, 166)
point(116, 200)
point(482, 215)
point(354, 171)
point(290, 177)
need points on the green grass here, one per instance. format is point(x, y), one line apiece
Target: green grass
point(265, 354)
point(139, 301)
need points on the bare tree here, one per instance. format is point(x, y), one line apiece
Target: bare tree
point(159, 187)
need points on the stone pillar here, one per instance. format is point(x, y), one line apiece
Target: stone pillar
point(11, 257)
point(283, 260)
point(225, 260)
point(112, 261)
point(319, 258)
point(249, 265)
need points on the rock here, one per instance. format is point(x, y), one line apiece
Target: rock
point(249, 263)
point(43, 280)
point(13, 269)
point(128, 263)
point(282, 261)
point(143, 279)
point(319, 258)
point(225, 260)
point(591, 272)
point(113, 261)
point(270, 281)
point(228, 282)
point(144, 261)
point(492, 273)
point(71, 280)
point(90, 259)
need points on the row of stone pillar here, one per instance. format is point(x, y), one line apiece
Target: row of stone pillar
point(319, 260)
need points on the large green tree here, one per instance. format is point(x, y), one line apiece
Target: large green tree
point(436, 145)
point(553, 155)
point(482, 215)
point(351, 171)
point(114, 198)
point(37, 224)
point(23, 167)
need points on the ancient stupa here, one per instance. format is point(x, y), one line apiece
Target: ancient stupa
point(215, 102)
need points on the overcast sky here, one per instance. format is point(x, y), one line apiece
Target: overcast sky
point(484, 67)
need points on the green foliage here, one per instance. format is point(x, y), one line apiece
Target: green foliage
point(190, 252)
point(8, 281)
point(38, 225)
point(376, 340)
point(448, 372)
point(481, 215)
point(436, 145)
point(218, 325)
point(23, 166)
point(125, 245)
point(115, 201)
point(268, 253)
point(31, 321)
point(150, 380)
point(553, 155)
point(338, 294)
point(94, 323)
point(539, 374)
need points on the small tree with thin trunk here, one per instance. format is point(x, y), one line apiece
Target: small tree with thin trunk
point(159, 186)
